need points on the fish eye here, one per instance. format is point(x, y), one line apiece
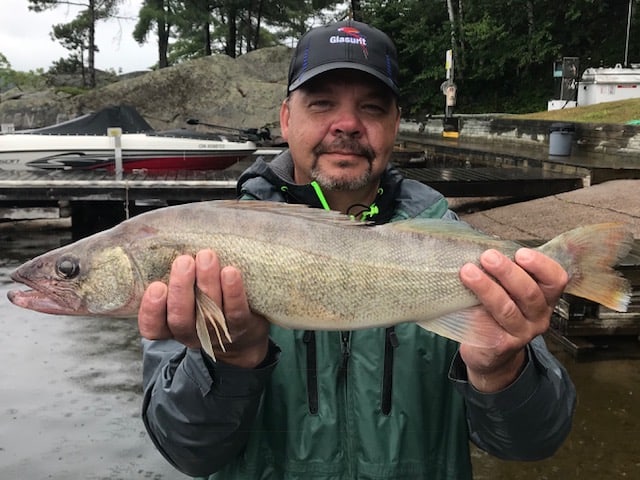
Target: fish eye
point(68, 267)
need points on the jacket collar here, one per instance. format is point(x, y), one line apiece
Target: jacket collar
point(273, 181)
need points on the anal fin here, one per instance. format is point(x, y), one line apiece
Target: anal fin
point(469, 326)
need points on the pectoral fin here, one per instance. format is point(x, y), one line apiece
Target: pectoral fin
point(467, 326)
point(208, 312)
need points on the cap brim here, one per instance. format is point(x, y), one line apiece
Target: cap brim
point(314, 72)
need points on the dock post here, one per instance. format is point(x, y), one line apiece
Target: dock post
point(116, 133)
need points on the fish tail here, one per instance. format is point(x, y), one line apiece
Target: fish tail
point(588, 254)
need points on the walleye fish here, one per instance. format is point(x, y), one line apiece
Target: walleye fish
point(309, 269)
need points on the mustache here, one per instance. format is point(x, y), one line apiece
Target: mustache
point(346, 145)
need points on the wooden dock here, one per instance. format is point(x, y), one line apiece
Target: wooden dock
point(103, 198)
point(519, 182)
point(57, 185)
point(60, 188)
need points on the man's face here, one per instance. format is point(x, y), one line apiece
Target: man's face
point(341, 128)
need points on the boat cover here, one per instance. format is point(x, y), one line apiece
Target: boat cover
point(97, 123)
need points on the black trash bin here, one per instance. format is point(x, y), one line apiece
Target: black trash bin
point(560, 138)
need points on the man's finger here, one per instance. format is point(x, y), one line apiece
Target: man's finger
point(550, 276)
point(235, 299)
point(152, 317)
point(181, 300)
point(208, 275)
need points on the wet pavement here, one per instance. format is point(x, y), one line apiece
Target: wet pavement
point(544, 218)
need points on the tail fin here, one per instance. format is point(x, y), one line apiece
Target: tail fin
point(588, 254)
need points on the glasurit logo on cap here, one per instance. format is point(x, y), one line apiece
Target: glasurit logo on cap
point(351, 35)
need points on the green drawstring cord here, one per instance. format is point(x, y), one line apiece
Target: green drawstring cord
point(373, 208)
point(323, 201)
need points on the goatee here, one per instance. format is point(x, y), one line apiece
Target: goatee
point(344, 145)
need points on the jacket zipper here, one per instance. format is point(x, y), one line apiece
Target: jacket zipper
point(345, 339)
point(346, 351)
point(309, 339)
point(390, 343)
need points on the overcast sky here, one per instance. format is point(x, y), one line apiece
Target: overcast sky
point(26, 42)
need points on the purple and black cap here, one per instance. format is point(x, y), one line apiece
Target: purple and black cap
point(346, 44)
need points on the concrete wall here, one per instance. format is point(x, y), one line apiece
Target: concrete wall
point(610, 144)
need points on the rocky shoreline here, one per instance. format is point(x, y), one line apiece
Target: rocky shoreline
point(245, 92)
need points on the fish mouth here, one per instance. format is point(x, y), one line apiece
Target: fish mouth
point(37, 299)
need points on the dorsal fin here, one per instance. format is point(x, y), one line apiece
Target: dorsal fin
point(437, 227)
point(291, 210)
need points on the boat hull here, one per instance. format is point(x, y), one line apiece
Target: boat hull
point(138, 151)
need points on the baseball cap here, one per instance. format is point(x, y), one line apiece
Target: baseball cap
point(346, 44)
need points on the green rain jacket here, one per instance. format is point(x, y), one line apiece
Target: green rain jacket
point(370, 404)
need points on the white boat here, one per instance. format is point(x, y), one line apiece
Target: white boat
point(84, 143)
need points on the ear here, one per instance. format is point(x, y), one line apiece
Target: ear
point(285, 115)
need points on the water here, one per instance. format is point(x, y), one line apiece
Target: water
point(603, 444)
point(70, 388)
point(70, 399)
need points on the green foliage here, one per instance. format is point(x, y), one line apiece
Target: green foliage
point(78, 36)
point(70, 65)
point(421, 33)
point(504, 49)
point(70, 90)
point(4, 63)
point(192, 28)
point(10, 78)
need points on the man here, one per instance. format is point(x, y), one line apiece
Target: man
point(380, 403)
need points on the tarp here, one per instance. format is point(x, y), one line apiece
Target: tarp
point(97, 123)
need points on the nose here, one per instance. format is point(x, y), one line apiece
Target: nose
point(347, 123)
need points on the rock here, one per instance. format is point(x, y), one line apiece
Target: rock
point(245, 92)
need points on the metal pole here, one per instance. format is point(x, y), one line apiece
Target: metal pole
point(626, 43)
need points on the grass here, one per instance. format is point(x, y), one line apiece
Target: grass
point(622, 111)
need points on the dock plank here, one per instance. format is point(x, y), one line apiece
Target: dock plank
point(184, 186)
point(495, 181)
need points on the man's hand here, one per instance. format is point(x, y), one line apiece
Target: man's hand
point(520, 296)
point(169, 311)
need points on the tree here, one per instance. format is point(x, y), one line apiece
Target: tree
point(231, 27)
point(504, 49)
point(5, 72)
point(421, 33)
point(74, 36)
point(10, 78)
point(158, 14)
point(86, 20)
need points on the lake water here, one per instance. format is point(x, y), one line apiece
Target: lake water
point(70, 399)
point(70, 388)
